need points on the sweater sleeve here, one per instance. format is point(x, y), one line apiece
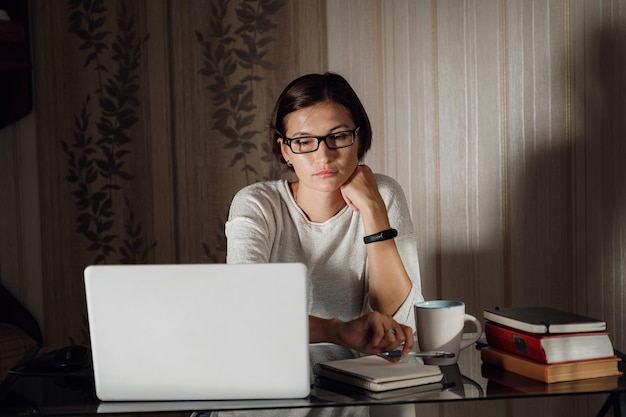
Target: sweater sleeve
point(251, 227)
point(400, 219)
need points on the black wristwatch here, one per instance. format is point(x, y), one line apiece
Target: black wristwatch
point(380, 236)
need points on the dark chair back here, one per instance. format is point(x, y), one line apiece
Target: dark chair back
point(13, 312)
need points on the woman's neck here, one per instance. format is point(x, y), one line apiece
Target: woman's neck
point(317, 206)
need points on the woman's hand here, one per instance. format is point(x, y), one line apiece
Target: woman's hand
point(389, 283)
point(372, 333)
point(360, 191)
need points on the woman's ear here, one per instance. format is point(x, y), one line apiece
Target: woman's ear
point(283, 149)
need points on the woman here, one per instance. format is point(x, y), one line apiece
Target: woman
point(338, 218)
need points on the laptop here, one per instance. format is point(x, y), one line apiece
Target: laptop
point(198, 331)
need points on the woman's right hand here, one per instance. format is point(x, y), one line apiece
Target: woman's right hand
point(360, 191)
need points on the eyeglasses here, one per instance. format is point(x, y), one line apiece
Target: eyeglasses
point(306, 144)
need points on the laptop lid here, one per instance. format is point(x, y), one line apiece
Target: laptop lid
point(198, 331)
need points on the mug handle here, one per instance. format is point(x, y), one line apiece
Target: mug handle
point(479, 330)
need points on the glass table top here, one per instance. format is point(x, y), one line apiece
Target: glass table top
point(469, 380)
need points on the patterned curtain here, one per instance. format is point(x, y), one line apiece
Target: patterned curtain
point(150, 116)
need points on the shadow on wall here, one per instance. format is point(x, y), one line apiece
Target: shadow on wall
point(573, 193)
point(602, 238)
point(568, 204)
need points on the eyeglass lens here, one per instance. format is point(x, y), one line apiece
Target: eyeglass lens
point(312, 143)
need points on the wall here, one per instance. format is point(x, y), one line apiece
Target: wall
point(150, 116)
point(502, 120)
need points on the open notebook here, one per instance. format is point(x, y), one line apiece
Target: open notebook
point(198, 332)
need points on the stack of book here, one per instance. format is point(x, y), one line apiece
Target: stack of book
point(548, 345)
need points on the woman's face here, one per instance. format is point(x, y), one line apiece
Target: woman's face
point(325, 169)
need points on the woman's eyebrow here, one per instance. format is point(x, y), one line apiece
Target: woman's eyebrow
point(307, 134)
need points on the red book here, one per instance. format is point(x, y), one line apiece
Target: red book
point(549, 348)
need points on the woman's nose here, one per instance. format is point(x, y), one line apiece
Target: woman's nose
point(323, 153)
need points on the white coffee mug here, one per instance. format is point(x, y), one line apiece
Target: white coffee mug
point(440, 328)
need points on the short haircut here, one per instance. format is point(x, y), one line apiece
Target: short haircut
point(311, 89)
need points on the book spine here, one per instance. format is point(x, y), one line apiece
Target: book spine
point(515, 324)
point(517, 343)
point(511, 363)
point(568, 371)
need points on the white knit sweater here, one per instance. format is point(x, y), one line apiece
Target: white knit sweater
point(266, 225)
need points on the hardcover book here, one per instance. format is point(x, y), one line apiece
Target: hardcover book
point(549, 348)
point(502, 382)
point(378, 374)
point(568, 371)
point(542, 320)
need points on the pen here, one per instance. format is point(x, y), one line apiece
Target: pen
point(431, 354)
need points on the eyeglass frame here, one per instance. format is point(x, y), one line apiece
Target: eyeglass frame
point(287, 141)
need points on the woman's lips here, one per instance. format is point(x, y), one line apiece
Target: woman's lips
point(325, 173)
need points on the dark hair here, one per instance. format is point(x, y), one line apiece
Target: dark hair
point(312, 89)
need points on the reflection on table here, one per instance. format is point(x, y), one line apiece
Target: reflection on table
point(467, 381)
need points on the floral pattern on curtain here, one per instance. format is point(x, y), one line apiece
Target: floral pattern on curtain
point(151, 115)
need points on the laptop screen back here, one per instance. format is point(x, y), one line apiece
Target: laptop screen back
point(198, 331)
